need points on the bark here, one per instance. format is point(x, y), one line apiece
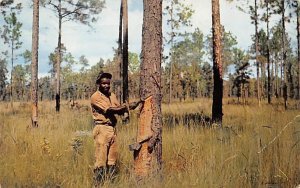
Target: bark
point(150, 85)
point(217, 64)
point(34, 64)
point(58, 58)
point(256, 54)
point(125, 51)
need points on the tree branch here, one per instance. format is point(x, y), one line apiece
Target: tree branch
point(57, 8)
point(72, 12)
point(68, 20)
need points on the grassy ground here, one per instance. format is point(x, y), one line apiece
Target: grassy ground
point(257, 147)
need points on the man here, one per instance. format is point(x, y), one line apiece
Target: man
point(104, 108)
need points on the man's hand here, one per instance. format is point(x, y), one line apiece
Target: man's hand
point(133, 105)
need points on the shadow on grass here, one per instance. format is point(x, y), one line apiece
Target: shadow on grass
point(187, 119)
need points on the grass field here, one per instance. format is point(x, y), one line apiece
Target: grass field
point(257, 147)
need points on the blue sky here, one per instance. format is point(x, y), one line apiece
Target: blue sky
point(99, 42)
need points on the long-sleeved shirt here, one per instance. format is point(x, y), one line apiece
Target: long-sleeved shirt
point(100, 103)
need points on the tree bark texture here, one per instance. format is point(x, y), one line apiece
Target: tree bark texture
point(58, 58)
point(125, 51)
point(150, 85)
point(217, 64)
point(34, 64)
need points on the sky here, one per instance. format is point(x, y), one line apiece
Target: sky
point(99, 42)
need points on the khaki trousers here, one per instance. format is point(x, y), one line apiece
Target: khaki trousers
point(105, 145)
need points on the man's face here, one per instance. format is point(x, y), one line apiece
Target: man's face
point(104, 85)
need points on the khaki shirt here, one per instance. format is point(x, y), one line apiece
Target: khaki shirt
point(100, 103)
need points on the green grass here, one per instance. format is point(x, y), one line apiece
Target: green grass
point(243, 153)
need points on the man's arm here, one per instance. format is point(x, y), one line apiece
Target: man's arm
point(117, 110)
point(111, 110)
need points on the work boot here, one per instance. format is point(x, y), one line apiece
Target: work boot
point(99, 175)
point(112, 171)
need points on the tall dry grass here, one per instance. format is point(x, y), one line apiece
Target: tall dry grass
point(257, 147)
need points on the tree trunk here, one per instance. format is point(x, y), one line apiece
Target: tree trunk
point(11, 75)
point(42, 93)
point(150, 154)
point(288, 69)
point(263, 80)
point(298, 42)
point(171, 52)
point(217, 64)
point(34, 64)
point(281, 79)
point(268, 58)
point(58, 58)
point(290, 80)
point(256, 54)
point(277, 88)
point(125, 51)
point(272, 76)
point(120, 59)
point(285, 94)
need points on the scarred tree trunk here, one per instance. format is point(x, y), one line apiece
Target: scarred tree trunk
point(217, 64)
point(148, 158)
point(34, 64)
point(125, 51)
point(58, 58)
